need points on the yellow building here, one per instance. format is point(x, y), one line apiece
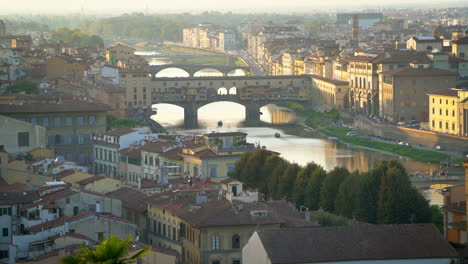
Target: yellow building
point(207, 229)
point(65, 66)
point(98, 184)
point(119, 52)
point(448, 111)
point(214, 155)
point(460, 48)
point(329, 93)
point(299, 66)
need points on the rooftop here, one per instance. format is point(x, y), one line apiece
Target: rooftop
point(131, 198)
point(355, 243)
point(328, 80)
point(446, 92)
point(68, 105)
point(410, 71)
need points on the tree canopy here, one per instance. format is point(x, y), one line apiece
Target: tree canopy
point(383, 195)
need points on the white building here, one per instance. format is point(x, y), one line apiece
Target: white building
point(107, 146)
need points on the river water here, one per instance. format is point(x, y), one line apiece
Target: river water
point(295, 144)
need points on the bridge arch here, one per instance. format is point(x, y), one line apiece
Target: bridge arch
point(222, 91)
point(232, 91)
point(172, 72)
point(238, 72)
point(171, 114)
point(208, 72)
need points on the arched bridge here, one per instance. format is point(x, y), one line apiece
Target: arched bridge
point(191, 69)
point(253, 92)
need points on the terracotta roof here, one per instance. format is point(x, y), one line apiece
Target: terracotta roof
point(361, 58)
point(50, 224)
point(65, 106)
point(90, 180)
point(222, 213)
point(63, 174)
point(14, 187)
point(225, 134)
point(167, 251)
point(355, 243)
point(78, 236)
point(147, 183)
point(55, 196)
point(157, 146)
point(328, 80)
point(173, 154)
point(131, 153)
point(410, 71)
point(206, 153)
point(119, 132)
point(446, 92)
point(11, 198)
point(228, 180)
point(131, 198)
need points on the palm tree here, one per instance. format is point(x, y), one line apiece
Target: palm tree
point(111, 251)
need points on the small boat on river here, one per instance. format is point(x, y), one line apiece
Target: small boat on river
point(277, 135)
point(220, 123)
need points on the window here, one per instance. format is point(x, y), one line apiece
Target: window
point(236, 261)
point(57, 121)
point(215, 262)
point(5, 231)
point(215, 242)
point(236, 241)
point(100, 236)
point(440, 124)
point(453, 112)
point(34, 120)
point(446, 125)
point(80, 120)
point(92, 120)
point(433, 123)
point(5, 211)
point(75, 210)
point(433, 110)
point(4, 254)
point(453, 126)
point(67, 200)
point(68, 121)
point(440, 111)
point(23, 139)
point(45, 121)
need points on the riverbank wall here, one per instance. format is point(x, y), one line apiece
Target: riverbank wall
point(413, 136)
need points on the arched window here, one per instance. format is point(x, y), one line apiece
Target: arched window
point(236, 241)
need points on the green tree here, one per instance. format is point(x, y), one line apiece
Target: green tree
point(347, 199)
point(330, 186)
point(399, 202)
point(314, 185)
point(26, 86)
point(111, 251)
point(437, 218)
point(286, 182)
point(369, 194)
point(300, 183)
point(328, 219)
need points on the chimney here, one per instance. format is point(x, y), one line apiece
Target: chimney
point(307, 216)
point(98, 207)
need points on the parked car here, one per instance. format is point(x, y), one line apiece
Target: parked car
point(351, 134)
point(439, 148)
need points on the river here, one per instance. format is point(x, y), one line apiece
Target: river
point(295, 144)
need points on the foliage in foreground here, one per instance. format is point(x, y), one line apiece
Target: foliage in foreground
point(383, 195)
point(26, 86)
point(112, 251)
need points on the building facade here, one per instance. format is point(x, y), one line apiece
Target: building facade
point(448, 111)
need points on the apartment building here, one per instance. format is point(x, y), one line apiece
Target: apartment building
point(448, 111)
point(329, 93)
point(70, 122)
point(106, 147)
point(403, 91)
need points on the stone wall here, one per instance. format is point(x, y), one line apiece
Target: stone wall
point(413, 136)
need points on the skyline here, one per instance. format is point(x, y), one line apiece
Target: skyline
point(109, 7)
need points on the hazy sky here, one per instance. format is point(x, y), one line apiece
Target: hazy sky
point(120, 6)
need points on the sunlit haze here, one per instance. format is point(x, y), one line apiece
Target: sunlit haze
point(112, 7)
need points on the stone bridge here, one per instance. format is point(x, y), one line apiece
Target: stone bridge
point(253, 92)
point(192, 69)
